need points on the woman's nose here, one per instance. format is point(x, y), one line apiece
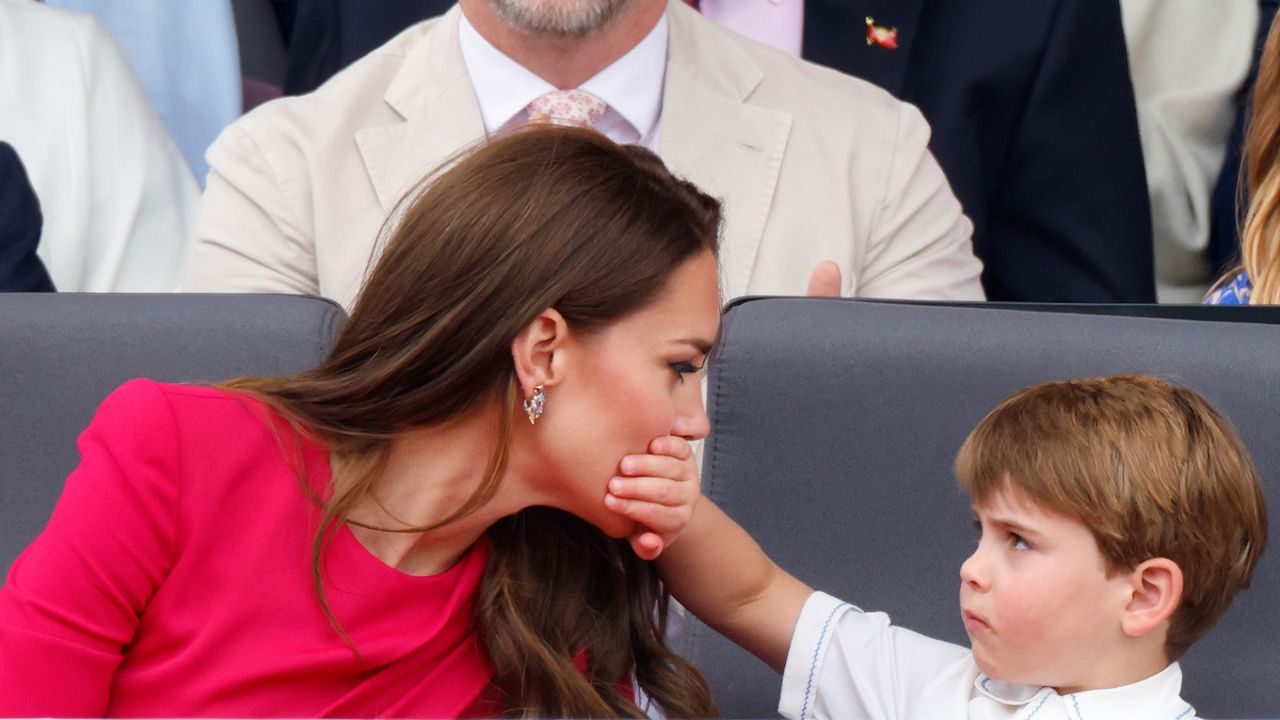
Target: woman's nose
point(692, 422)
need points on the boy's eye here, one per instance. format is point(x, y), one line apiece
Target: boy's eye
point(1018, 542)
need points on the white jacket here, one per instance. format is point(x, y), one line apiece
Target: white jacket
point(118, 199)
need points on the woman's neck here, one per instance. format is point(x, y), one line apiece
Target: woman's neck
point(428, 475)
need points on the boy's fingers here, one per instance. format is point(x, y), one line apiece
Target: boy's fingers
point(659, 518)
point(657, 490)
point(646, 545)
point(656, 466)
point(672, 446)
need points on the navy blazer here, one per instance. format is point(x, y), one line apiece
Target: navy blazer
point(1034, 123)
point(20, 225)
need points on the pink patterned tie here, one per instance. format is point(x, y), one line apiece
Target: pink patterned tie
point(567, 107)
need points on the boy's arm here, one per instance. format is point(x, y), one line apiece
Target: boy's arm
point(720, 574)
point(716, 569)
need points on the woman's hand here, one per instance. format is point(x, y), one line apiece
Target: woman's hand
point(657, 491)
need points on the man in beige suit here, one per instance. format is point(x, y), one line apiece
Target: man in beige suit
point(814, 167)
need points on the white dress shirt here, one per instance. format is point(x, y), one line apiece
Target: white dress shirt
point(631, 86)
point(844, 663)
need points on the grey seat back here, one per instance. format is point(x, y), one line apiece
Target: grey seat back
point(836, 422)
point(61, 354)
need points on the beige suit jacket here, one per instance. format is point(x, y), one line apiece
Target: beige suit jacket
point(811, 165)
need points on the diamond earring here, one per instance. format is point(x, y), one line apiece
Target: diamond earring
point(534, 406)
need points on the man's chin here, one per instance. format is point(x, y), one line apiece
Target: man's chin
point(562, 19)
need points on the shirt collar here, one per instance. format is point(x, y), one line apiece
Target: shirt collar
point(1157, 695)
point(632, 85)
point(1158, 692)
point(1003, 692)
point(503, 86)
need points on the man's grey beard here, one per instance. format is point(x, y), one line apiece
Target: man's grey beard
point(570, 18)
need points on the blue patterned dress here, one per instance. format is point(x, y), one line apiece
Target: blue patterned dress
point(1235, 292)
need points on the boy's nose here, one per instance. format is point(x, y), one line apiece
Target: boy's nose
point(972, 572)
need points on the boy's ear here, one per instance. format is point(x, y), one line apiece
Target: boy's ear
point(1155, 592)
point(534, 351)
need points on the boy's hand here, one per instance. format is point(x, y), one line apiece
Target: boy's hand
point(657, 491)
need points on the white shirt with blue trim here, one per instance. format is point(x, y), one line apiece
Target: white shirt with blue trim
point(848, 664)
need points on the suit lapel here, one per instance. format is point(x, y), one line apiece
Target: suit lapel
point(441, 117)
point(710, 135)
point(835, 35)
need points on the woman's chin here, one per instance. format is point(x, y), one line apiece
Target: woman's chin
point(615, 526)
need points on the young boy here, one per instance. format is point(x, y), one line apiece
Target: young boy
point(1117, 518)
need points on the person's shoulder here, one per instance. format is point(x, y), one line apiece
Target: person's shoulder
point(154, 403)
point(137, 396)
point(794, 84)
point(28, 19)
point(352, 98)
point(13, 175)
point(1236, 292)
point(833, 114)
point(56, 33)
point(374, 71)
point(399, 47)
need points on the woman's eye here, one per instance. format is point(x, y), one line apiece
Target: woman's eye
point(684, 368)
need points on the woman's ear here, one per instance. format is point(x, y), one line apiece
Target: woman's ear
point(1155, 592)
point(534, 351)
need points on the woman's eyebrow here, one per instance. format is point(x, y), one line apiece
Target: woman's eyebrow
point(702, 345)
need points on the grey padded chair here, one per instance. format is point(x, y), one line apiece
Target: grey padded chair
point(836, 422)
point(61, 354)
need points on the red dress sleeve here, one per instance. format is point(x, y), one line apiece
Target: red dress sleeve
point(72, 600)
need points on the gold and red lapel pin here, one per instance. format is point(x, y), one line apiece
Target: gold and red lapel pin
point(881, 35)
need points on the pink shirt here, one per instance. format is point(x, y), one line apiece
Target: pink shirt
point(174, 579)
point(779, 23)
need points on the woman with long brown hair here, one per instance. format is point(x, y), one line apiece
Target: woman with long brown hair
point(1256, 280)
point(418, 526)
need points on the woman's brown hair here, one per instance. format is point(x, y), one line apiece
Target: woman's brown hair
point(543, 218)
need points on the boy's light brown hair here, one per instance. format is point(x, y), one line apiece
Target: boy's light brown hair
point(1152, 469)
